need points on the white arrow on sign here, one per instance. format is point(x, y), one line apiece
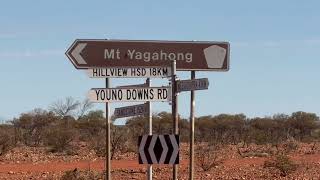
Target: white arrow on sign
point(165, 149)
point(175, 149)
point(141, 150)
point(76, 53)
point(151, 151)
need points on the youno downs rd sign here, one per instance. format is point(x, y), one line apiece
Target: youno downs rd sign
point(130, 94)
point(190, 55)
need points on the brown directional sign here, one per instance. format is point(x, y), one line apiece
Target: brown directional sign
point(189, 55)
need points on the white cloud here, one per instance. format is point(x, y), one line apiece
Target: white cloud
point(275, 43)
point(31, 53)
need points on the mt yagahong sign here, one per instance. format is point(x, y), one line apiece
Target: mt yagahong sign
point(189, 55)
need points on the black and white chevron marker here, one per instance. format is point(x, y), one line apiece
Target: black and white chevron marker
point(159, 149)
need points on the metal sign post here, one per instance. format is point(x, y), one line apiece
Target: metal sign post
point(174, 106)
point(148, 82)
point(192, 106)
point(108, 141)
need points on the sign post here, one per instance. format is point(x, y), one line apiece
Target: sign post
point(191, 121)
point(175, 116)
point(148, 82)
point(108, 138)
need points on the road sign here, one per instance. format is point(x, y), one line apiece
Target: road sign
point(159, 149)
point(193, 84)
point(128, 111)
point(127, 72)
point(134, 94)
point(190, 55)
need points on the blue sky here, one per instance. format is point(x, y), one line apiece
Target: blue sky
point(275, 50)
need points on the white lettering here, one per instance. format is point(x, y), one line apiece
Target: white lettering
point(131, 53)
point(161, 55)
point(108, 54)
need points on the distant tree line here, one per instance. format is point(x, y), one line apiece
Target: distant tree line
point(69, 121)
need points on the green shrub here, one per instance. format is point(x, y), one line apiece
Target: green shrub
point(290, 145)
point(207, 156)
point(70, 175)
point(6, 139)
point(282, 163)
point(81, 175)
point(98, 143)
point(58, 138)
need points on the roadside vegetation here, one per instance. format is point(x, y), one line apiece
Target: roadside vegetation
point(67, 121)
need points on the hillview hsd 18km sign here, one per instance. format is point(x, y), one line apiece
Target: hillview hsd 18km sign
point(189, 55)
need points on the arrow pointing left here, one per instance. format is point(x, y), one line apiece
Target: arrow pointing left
point(76, 53)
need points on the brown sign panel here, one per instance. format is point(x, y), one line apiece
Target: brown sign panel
point(189, 55)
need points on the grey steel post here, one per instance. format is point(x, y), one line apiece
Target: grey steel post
point(108, 144)
point(148, 82)
point(174, 106)
point(191, 150)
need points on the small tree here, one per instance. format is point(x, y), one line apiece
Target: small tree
point(6, 139)
point(282, 163)
point(207, 156)
point(58, 138)
point(65, 107)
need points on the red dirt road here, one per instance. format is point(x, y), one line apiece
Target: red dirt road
point(64, 166)
point(128, 164)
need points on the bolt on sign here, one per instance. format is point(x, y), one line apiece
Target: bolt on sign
point(159, 149)
point(136, 94)
point(135, 110)
point(134, 72)
point(193, 84)
point(189, 55)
